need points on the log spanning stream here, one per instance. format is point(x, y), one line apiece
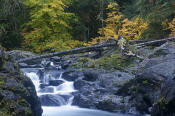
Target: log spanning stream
point(56, 94)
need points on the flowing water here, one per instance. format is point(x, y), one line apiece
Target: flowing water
point(56, 100)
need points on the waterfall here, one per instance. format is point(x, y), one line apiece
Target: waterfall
point(61, 93)
point(56, 94)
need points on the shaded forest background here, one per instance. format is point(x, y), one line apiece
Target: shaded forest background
point(54, 25)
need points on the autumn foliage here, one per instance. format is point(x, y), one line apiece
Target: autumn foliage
point(172, 27)
point(117, 25)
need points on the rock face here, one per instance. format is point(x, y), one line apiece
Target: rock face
point(150, 91)
point(97, 89)
point(17, 92)
point(153, 89)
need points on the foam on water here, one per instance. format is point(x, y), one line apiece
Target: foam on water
point(66, 88)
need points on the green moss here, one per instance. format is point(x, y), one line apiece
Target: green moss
point(3, 113)
point(28, 112)
point(82, 62)
point(4, 107)
point(112, 62)
point(22, 102)
point(161, 103)
point(145, 82)
point(2, 81)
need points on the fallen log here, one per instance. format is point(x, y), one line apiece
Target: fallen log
point(160, 41)
point(71, 51)
point(137, 41)
point(94, 48)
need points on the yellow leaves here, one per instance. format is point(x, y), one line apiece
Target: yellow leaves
point(113, 24)
point(165, 24)
point(112, 6)
point(172, 27)
point(133, 29)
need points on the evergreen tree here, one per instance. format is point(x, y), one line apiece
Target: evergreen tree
point(12, 16)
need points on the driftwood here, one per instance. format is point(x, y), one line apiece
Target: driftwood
point(71, 51)
point(160, 41)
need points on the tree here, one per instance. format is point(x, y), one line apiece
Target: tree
point(151, 10)
point(89, 13)
point(113, 23)
point(48, 28)
point(12, 16)
point(133, 29)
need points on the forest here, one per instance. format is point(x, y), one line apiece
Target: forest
point(44, 26)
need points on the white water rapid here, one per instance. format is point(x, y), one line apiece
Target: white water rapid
point(56, 100)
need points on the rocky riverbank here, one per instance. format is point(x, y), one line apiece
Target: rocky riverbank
point(111, 82)
point(122, 84)
point(17, 92)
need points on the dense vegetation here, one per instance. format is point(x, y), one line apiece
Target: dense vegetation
point(54, 25)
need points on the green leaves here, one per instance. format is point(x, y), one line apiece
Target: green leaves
point(49, 26)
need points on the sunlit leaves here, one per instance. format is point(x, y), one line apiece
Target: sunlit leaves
point(133, 29)
point(49, 27)
point(172, 27)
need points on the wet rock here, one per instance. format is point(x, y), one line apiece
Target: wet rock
point(83, 101)
point(9, 66)
point(90, 75)
point(93, 93)
point(79, 84)
point(165, 104)
point(112, 81)
point(43, 85)
point(20, 91)
point(47, 90)
point(55, 82)
point(46, 64)
point(40, 74)
point(52, 100)
point(23, 65)
point(70, 76)
point(55, 59)
point(65, 64)
point(153, 87)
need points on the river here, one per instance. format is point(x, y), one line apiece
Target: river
point(56, 100)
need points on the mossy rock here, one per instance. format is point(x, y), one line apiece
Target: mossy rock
point(163, 107)
point(109, 63)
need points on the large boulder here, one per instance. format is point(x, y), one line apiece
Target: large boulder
point(96, 88)
point(71, 75)
point(152, 91)
point(17, 92)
